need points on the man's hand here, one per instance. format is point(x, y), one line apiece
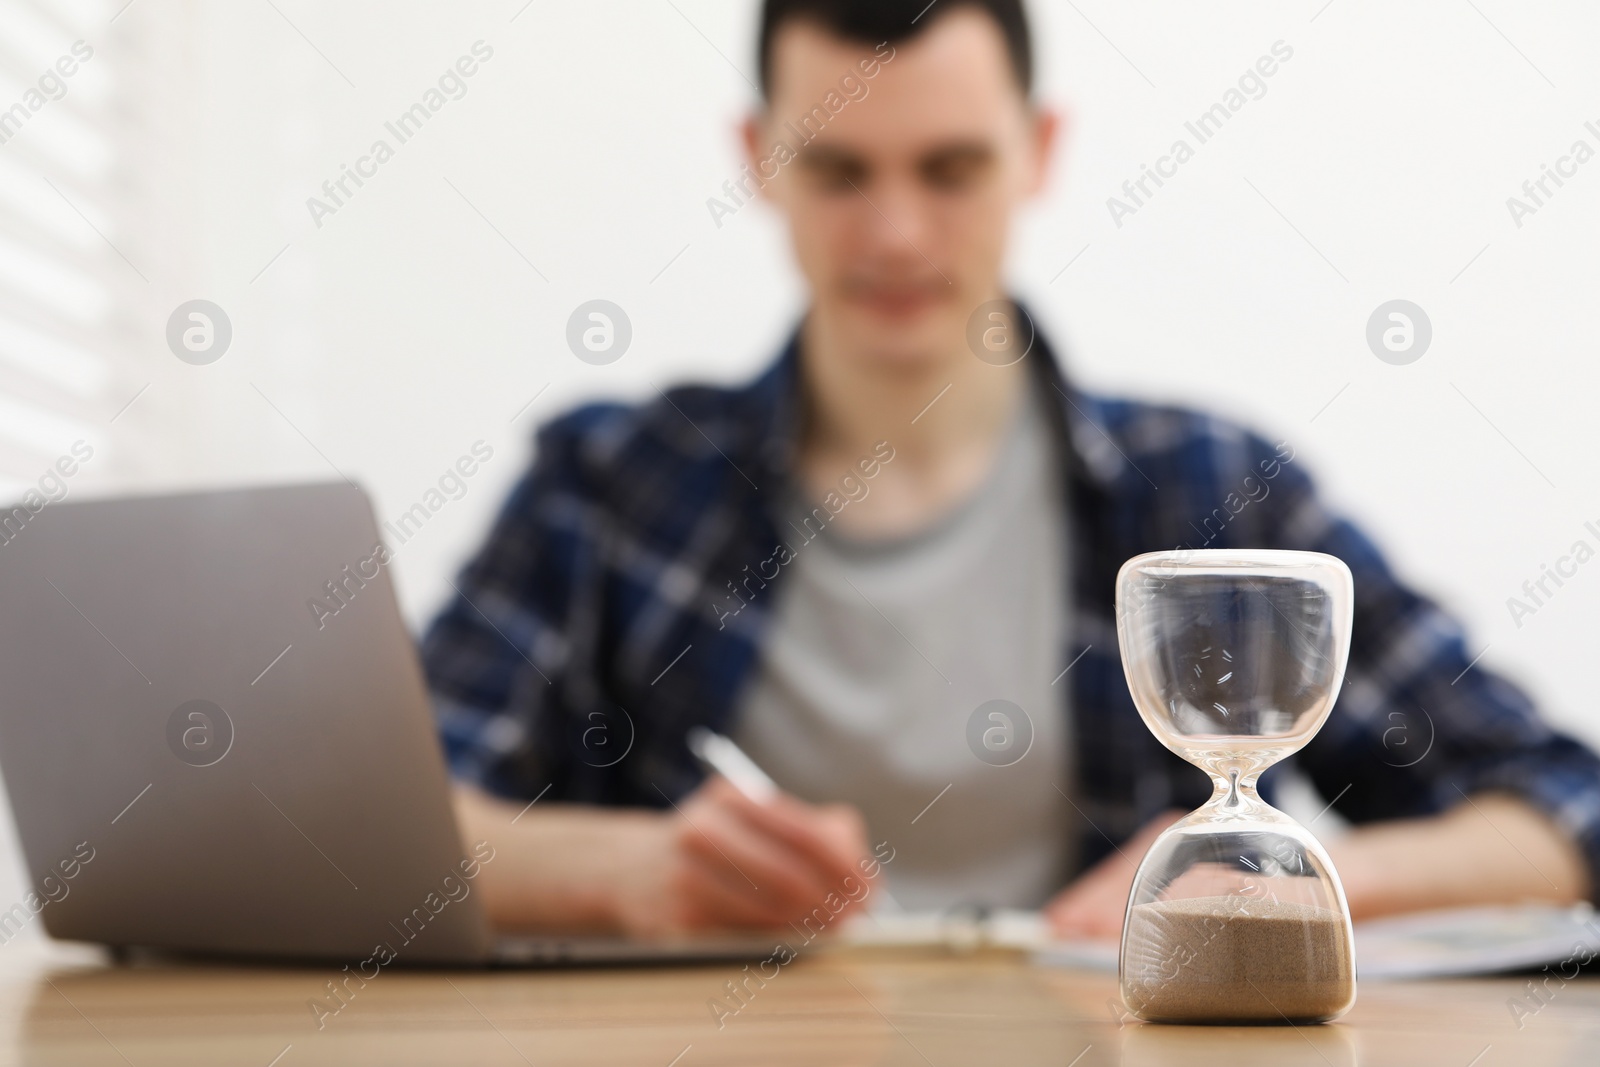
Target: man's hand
point(717, 861)
point(1093, 905)
point(724, 860)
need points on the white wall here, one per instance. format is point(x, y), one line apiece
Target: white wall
point(405, 327)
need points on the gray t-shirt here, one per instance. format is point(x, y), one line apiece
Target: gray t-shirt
point(882, 654)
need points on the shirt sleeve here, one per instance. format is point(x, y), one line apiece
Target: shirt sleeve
point(499, 657)
point(1420, 726)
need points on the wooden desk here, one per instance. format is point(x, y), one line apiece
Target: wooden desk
point(66, 1007)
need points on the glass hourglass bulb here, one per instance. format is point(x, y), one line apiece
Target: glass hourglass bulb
point(1234, 659)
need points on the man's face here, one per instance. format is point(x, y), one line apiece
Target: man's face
point(899, 207)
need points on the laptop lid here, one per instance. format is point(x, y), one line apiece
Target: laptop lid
point(216, 736)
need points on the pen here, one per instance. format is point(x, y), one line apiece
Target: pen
point(729, 760)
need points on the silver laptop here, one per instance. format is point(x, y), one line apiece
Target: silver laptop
point(216, 738)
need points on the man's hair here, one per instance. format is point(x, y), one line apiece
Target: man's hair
point(876, 21)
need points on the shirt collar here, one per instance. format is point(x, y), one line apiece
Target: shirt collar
point(769, 435)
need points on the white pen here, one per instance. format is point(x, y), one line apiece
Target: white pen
point(729, 760)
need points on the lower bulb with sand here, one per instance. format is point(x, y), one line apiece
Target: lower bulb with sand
point(1234, 659)
point(1237, 918)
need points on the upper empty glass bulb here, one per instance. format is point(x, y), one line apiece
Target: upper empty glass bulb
point(1234, 651)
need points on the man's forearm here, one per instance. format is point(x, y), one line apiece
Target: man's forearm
point(1493, 848)
point(555, 865)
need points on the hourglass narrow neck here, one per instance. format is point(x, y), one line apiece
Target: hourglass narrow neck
point(1233, 785)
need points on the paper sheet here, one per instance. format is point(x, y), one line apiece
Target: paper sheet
point(1431, 944)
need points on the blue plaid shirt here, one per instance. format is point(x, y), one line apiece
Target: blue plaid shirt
point(596, 626)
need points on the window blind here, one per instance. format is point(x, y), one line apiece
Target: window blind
point(66, 290)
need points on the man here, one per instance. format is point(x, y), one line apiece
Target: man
point(885, 569)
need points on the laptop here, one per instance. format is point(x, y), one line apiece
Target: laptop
point(216, 738)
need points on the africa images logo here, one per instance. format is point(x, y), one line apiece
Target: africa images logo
point(199, 733)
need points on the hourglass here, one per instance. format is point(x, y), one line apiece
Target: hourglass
point(1234, 659)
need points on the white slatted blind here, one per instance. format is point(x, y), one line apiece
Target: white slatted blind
point(66, 292)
